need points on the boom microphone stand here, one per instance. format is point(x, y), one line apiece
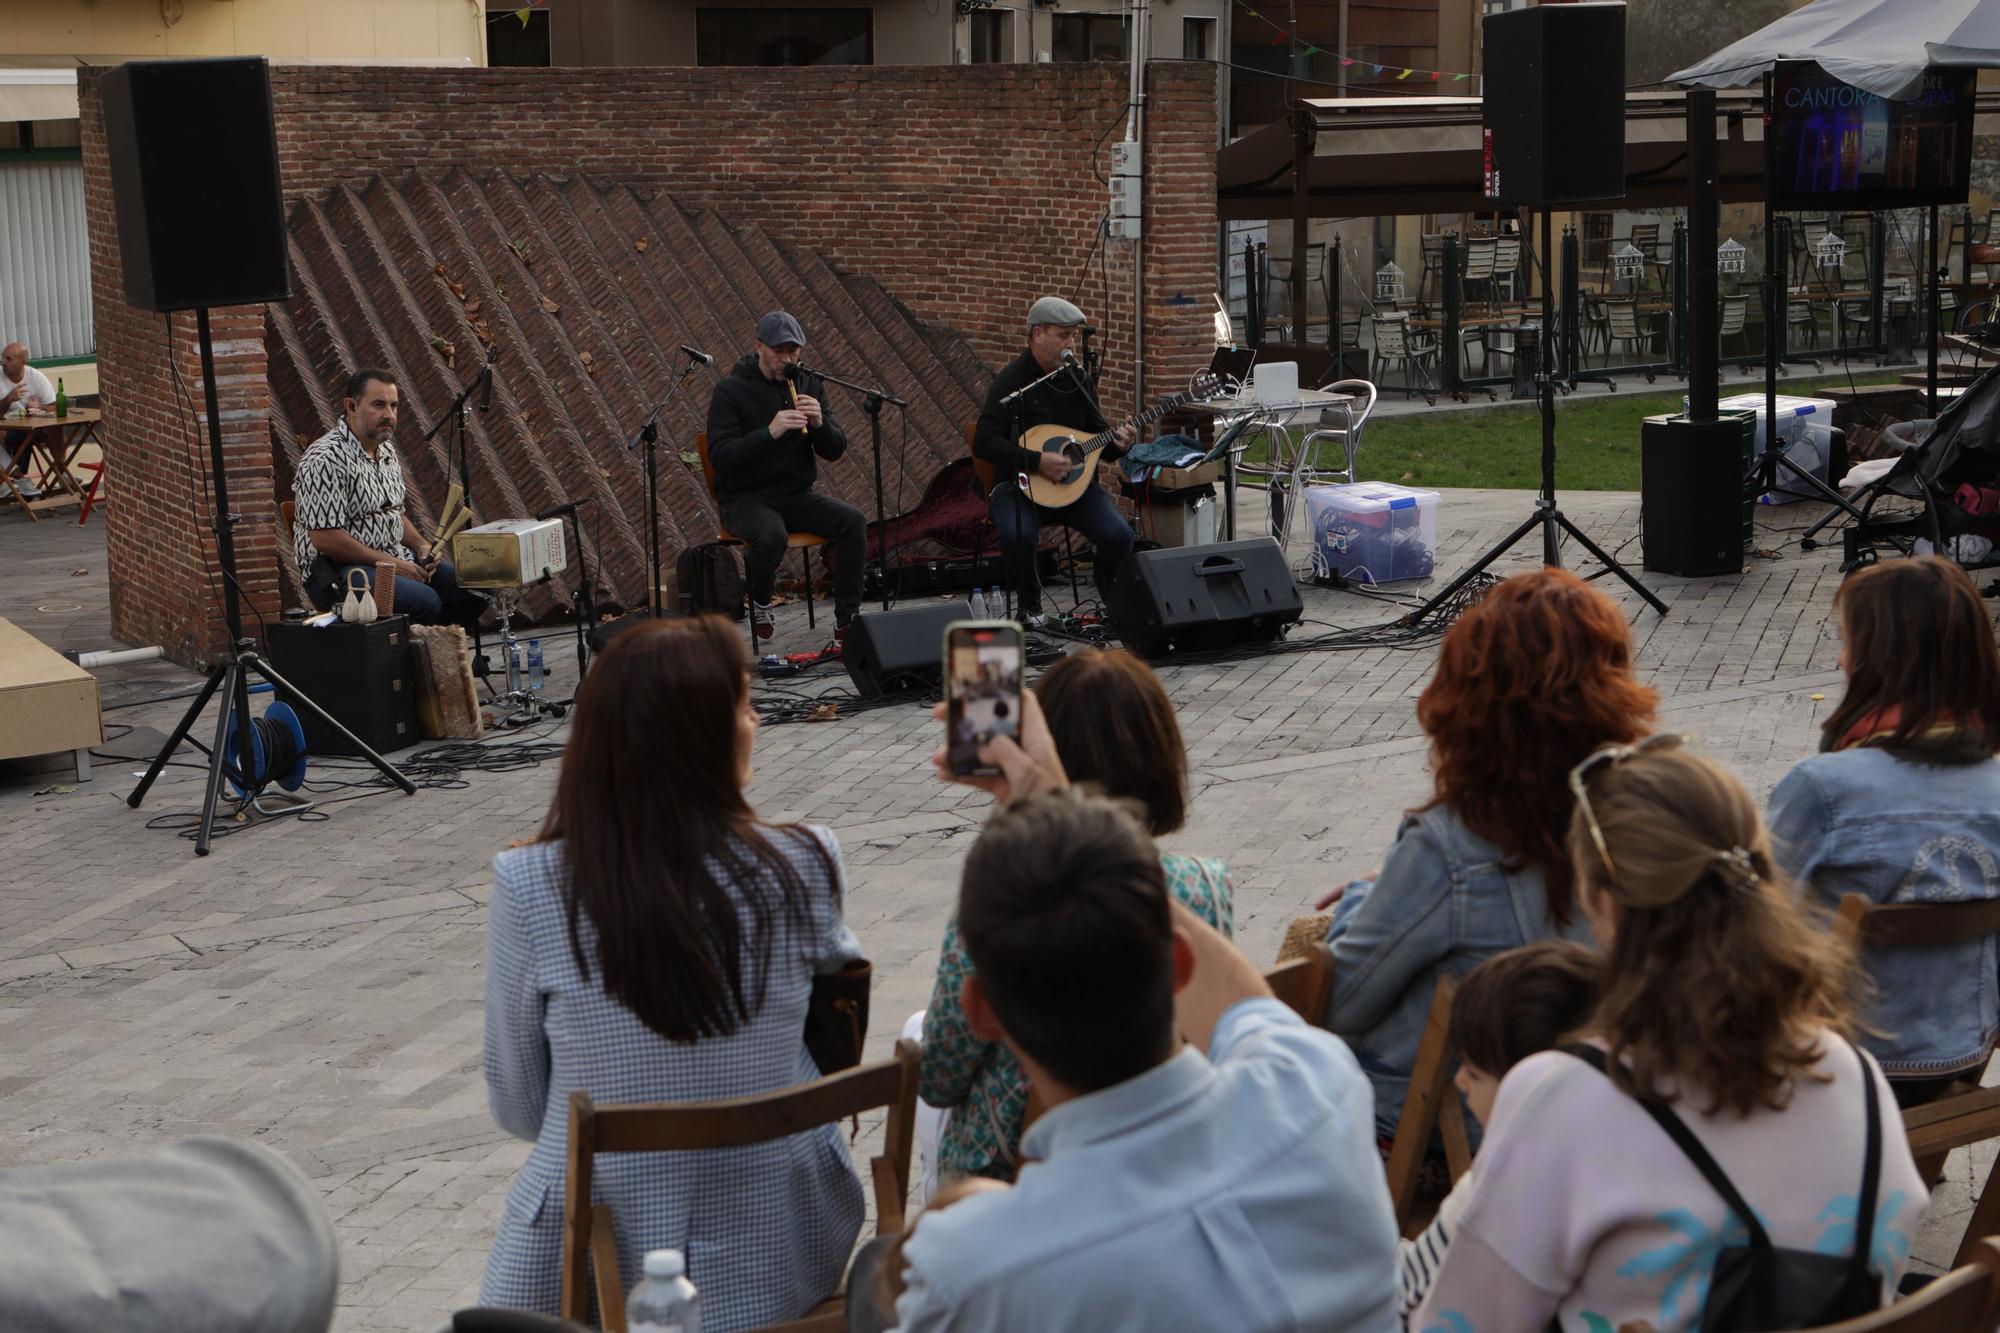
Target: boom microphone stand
point(232, 675)
point(1547, 516)
point(871, 403)
point(649, 435)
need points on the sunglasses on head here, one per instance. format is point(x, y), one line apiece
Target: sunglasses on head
point(1603, 757)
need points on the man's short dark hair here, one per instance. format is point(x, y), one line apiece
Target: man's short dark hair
point(357, 383)
point(1063, 907)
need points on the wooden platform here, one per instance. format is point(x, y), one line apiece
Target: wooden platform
point(47, 702)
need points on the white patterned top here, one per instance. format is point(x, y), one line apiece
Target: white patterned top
point(339, 486)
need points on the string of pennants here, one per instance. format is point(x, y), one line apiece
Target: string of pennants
point(522, 13)
point(1306, 49)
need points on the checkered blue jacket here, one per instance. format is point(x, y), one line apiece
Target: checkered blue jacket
point(767, 1229)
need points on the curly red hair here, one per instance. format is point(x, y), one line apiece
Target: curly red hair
point(1530, 681)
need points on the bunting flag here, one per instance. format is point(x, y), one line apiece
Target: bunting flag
point(1282, 35)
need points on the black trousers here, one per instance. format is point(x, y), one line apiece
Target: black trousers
point(763, 526)
point(1091, 516)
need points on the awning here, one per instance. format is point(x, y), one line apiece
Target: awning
point(1881, 45)
point(1390, 156)
point(37, 94)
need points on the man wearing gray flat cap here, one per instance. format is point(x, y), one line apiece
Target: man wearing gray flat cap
point(766, 427)
point(1053, 328)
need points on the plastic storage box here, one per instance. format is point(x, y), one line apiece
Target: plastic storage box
point(1373, 532)
point(1806, 427)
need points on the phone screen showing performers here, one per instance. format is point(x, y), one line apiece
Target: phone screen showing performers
point(982, 670)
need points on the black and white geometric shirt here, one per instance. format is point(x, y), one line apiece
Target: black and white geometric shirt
point(339, 486)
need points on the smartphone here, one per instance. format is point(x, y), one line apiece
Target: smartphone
point(983, 661)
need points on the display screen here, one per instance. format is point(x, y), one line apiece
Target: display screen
point(983, 685)
point(1838, 146)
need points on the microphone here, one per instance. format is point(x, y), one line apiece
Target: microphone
point(486, 386)
point(556, 511)
point(693, 355)
point(1068, 357)
point(1090, 331)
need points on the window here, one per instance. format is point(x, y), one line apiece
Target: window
point(989, 36)
point(509, 41)
point(1088, 37)
point(1197, 39)
point(784, 37)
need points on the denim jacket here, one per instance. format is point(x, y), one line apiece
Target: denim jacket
point(1442, 903)
point(1895, 829)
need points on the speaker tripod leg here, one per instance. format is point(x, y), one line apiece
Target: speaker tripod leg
point(216, 676)
point(218, 758)
point(1506, 543)
point(1608, 562)
point(291, 694)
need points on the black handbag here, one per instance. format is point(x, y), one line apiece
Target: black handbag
point(1764, 1288)
point(837, 1016)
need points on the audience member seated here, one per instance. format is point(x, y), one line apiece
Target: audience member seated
point(211, 1234)
point(658, 944)
point(1227, 1182)
point(1727, 1009)
point(1508, 1008)
point(1902, 805)
point(1529, 681)
point(1114, 728)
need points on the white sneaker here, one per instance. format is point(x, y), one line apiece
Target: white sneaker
point(763, 620)
point(1033, 620)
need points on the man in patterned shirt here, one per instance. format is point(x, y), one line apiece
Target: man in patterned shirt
point(348, 498)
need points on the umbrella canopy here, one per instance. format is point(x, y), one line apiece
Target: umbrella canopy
point(1883, 46)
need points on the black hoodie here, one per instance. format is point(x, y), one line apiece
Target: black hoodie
point(751, 465)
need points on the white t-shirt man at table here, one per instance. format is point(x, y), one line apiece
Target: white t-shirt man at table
point(20, 385)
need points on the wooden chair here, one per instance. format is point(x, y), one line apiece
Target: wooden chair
point(590, 1249)
point(1431, 1103)
point(1305, 983)
point(1966, 1113)
point(794, 541)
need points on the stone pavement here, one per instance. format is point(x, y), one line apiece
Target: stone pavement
point(316, 985)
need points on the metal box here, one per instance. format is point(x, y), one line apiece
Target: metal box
point(510, 553)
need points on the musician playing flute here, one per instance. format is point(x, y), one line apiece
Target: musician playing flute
point(1054, 327)
point(767, 427)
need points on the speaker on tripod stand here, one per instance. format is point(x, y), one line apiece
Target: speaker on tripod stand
point(193, 149)
point(1552, 132)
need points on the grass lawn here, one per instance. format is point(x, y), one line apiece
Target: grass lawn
point(1597, 441)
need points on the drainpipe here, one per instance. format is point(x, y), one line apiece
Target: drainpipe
point(1136, 134)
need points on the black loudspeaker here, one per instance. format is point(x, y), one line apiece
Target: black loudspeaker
point(358, 673)
point(1197, 597)
point(1692, 508)
point(194, 183)
point(1553, 108)
point(899, 649)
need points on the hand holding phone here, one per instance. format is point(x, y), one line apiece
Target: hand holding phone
point(983, 665)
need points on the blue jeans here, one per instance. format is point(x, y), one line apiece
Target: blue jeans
point(439, 602)
point(1091, 516)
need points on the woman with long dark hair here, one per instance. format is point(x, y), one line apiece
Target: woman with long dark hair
point(1529, 681)
point(658, 943)
point(1726, 1011)
point(1902, 805)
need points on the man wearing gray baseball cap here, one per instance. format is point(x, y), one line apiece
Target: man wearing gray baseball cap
point(766, 427)
point(1053, 328)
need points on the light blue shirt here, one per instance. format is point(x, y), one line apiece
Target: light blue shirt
point(1238, 1192)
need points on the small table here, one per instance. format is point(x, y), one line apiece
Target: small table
point(1274, 418)
point(52, 445)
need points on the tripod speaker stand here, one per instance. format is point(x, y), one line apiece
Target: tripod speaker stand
point(231, 676)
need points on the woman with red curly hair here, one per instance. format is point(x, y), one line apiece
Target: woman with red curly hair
point(1529, 681)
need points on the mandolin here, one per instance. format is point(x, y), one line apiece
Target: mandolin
point(1083, 451)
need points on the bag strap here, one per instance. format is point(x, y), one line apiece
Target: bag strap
point(1685, 1140)
point(1871, 1169)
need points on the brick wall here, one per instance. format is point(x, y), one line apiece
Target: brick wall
point(965, 191)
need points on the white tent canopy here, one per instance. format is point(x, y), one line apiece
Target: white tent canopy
point(1883, 46)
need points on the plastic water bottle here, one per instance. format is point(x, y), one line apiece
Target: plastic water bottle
point(534, 664)
point(513, 668)
point(978, 604)
point(664, 1301)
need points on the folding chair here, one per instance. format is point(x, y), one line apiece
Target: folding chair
point(1305, 983)
point(1431, 1103)
point(1966, 1113)
point(590, 1249)
point(794, 541)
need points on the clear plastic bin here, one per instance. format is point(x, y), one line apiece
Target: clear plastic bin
point(1373, 532)
point(1806, 427)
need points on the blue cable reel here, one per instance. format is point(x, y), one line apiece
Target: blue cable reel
point(277, 752)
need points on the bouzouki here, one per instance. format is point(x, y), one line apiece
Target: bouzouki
point(1082, 451)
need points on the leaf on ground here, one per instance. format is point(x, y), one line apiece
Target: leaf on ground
point(640, 245)
point(481, 332)
point(550, 307)
point(824, 713)
point(457, 289)
point(78, 573)
point(438, 269)
point(472, 306)
point(59, 789)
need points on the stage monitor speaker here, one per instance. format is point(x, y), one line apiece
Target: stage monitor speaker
point(358, 673)
point(1200, 597)
point(899, 649)
point(194, 182)
point(1693, 512)
point(1553, 105)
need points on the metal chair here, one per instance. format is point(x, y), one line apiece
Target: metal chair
point(1393, 344)
point(1735, 312)
point(1340, 425)
point(1623, 320)
point(1507, 265)
point(1480, 256)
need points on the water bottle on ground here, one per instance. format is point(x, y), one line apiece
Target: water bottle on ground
point(664, 1301)
point(513, 668)
point(534, 664)
point(978, 604)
